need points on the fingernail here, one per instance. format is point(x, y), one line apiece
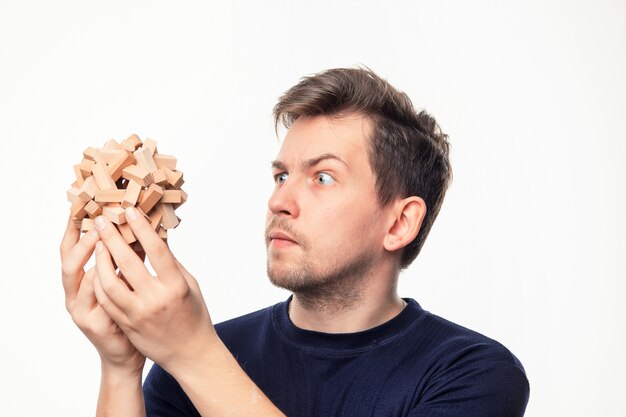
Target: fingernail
point(99, 223)
point(99, 246)
point(93, 233)
point(131, 213)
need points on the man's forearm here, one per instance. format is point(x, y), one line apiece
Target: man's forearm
point(218, 387)
point(120, 394)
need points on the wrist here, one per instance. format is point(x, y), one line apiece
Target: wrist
point(205, 353)
point(116, 374)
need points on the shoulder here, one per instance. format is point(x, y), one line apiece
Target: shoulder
point(465, 364)
point(456, 344)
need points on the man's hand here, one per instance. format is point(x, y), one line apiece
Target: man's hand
point(164, 316)
point(116, 351)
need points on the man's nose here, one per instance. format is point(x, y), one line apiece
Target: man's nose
point(283, 201)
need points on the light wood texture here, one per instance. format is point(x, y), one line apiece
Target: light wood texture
point(104, 181)
point(123, 160)
point(72, 194)
point(132, 194)
point(110, 196)
point(93, 209)
point(90, 153)
point(172, 196)
point(115, 214)
point(88, 190)
point(169, 220)
point(86, 225)
point(174, 178)
point(150, 144)
point(132, 143)
point(144, 159)
point(165, 161)
point(159, 177)
point(151, 196)
point(138, 174)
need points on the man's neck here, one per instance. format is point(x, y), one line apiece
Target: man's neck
point(377, 303)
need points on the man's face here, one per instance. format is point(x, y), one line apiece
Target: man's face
point(324, 226)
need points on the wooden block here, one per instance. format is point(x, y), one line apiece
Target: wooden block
point(80, 178)
point(88, 189)
point(93, 209)
point(127, 233)
point(169, 219)
point(144, 159)
point(183, 199)
point(103, 179)
point(138, 174)
point(85, 167)
point(109, 155)
point(115, 214)
point(165, 161)
point(121, 161)
point(72, 194)
point(132, 143)
point(174, 178)
point(159, 177)
point(112, 144)
point(132, 194)
point(155, 219)
point(86, 225)
point(151, 196)
point(109, 196)
point(150, 144)
point(77, 210)
point(90, 153)
point(172, 196)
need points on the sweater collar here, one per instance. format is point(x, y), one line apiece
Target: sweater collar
point(345, 342)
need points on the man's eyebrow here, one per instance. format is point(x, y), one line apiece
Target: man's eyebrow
point(311, 162)
point(314, 161)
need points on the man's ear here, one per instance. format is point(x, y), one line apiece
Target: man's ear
point(408, 216)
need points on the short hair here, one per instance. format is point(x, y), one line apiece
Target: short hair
point(408, 152)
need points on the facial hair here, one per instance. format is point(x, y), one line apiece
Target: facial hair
point(336, 287)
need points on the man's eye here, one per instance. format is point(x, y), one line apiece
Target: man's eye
point(280, 178)
point(324, 178)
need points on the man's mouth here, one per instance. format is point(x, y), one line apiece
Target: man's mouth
point(280, 239)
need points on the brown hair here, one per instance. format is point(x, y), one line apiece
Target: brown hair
point(408, 151)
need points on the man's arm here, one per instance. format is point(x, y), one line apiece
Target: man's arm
point(120, 393)
point(122, 364)
point(166, 318)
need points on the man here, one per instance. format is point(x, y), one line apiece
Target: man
point(359, 181)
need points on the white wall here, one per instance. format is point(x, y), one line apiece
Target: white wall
point(529, 246)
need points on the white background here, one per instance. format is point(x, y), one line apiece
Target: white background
point(529, 246)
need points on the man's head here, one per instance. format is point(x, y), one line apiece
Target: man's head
point(407, 150)
point(390, 156)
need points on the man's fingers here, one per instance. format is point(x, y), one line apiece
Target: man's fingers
point(125, 258)
point(160, 256)
point(85, 298)
point(73, 261)
point(70, 237)
point(117, 293)
point(105, 302)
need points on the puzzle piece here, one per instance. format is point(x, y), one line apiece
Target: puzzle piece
point(126, 174)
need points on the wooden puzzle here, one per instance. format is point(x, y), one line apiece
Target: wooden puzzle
point(127, 174)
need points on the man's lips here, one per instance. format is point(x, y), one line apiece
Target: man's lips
point(280, 237)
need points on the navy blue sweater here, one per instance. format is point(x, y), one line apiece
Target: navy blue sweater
point(417, 365)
